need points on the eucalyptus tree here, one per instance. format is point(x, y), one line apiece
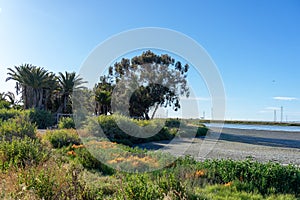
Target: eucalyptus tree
point(146, 81)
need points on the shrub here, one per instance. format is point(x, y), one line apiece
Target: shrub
point(42, 118)
point(6, 114)
point(92, 127)
point(88, 161)
point(4, 104)
point(108, 126)
point(17, 127)
point(201, 131)
point(147, 186)
point(173, 123)
point(268, 178)
point(62, 137)
point(21, 152)
point(53, 182)
point(66, 123)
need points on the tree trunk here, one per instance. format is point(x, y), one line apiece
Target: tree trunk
point(153, 114)
point(61, 106)
point(40, 102)
point(147, 116)
point(24, 97)
point(35, 101)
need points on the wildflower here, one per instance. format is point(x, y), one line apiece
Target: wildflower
point(71, 153)
point(74, 146)
point(228, 184)
point(199, 173)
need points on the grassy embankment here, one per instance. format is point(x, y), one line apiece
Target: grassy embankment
point(58, 165)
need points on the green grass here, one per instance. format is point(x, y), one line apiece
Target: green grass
point(58, 165)
point(218, 192)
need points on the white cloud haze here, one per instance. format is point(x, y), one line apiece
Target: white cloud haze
point(285, 98)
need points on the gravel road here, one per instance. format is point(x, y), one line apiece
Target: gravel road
point(237, 144)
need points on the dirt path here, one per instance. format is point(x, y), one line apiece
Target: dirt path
point(237, 144)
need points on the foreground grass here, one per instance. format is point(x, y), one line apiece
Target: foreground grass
point(71, 172)
point(216, 192)
point(57, 165)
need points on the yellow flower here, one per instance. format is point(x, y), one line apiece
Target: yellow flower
point(74, 146)
point(199, 173)
point(71, 153)
point(228, 184)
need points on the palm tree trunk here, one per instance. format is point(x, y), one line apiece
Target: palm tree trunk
point(24, 97)
point(65, 103)
point(35, 98)
point(40, 100)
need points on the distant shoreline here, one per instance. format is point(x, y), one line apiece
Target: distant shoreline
point(251, 122)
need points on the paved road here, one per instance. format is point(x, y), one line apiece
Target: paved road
point(237, 144)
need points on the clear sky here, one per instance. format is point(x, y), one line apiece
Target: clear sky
point(255, 44)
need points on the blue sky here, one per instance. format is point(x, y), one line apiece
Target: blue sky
point(255, 44)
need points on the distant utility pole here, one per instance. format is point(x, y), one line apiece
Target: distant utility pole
point(203, 114)
point(275, 116)
point(212, 114)
point(281, 117)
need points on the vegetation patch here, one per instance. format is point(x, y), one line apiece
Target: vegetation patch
point(66, 123)
point(20, 126)
point(62, 137)
point(42, 118)
point(6, 114)
point(29, 170)
point(109, 127)
point(21, 152)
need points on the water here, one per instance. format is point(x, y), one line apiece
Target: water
point(256, 127)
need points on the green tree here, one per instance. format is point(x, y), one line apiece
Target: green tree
point(34, 83)
point(144, 82)
point(4, 103)
point(68, 82)
point(103, 91)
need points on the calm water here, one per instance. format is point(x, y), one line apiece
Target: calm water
point(256, 127)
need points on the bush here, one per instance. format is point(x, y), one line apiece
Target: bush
point(42, 118)
point(4, 104)
point(201, 131)
point(21, 152)
point(17, 127)
point(66, 123)
point(6, 114)
point(62, 137)
point(147, 186)
point(88, 161)
point(108, 126)
point(268, 178)
point(53, 182)
point(173, 123)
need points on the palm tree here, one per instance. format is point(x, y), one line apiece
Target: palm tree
point(103, 91)
point(34, 83)
point(10, 97)
point(68, 83)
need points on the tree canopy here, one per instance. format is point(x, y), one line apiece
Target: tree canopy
point(34, 83)
point(42, 89)
point(134, 86)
